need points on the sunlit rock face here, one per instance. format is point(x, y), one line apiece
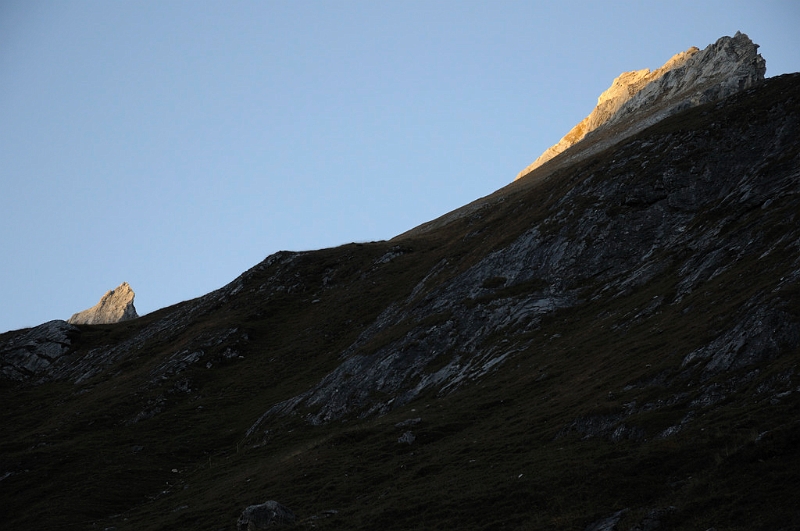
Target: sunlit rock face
point(115, 306)
point(640, 98)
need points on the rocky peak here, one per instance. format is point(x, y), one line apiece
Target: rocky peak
point(115, 306)
point(638, 99)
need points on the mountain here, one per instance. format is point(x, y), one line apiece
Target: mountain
point(641, 98)
point(607, 343)
point(115, 306)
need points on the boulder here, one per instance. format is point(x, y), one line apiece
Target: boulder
point(115, 306)
point(264, 516)
point(407, 438)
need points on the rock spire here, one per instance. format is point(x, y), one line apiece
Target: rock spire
point(115, 306)
point(641, 98)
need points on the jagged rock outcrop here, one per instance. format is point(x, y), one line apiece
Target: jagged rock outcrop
point(641, 98)
point(114, 307)
point(36, 350)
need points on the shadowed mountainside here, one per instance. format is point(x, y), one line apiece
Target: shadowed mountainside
point(614, 340)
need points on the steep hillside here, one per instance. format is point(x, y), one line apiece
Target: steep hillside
point(612, 342)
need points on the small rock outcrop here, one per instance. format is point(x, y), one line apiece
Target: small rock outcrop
point(264, 516)
point(32, 353)
point(641, 98)
point(115, 306)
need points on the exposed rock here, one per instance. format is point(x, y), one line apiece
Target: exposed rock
point(115, 306)
point(653, 519)
point(606, 426)
point(32, 353)
point(607, 524)
point(409, 422)
point(641, 98)
point(407, 438)
point(324, 514)
point(624, 89)
point(264, 516)
point(761, 335)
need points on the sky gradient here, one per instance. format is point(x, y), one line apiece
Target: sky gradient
point(173, 145)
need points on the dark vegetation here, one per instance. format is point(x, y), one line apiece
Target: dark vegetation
point(572, 428)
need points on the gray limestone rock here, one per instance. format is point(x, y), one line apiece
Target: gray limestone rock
point(407, 438)
point(264, 516)
point(115, 306)
point(761, 335)
point(32, 353)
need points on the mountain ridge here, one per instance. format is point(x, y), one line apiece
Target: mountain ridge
point(687, 79)
point(608, 340)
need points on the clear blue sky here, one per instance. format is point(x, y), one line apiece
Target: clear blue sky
point(173, 145)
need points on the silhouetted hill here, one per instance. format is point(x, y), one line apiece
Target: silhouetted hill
point(608, 342)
